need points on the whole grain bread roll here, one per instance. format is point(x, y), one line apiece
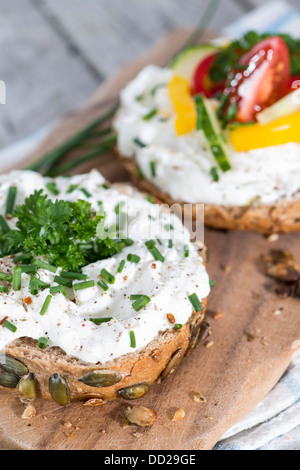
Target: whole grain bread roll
point(280, 217)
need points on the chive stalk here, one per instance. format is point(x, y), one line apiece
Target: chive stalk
point(58, 289)
point(17, 277)
point(3, 225)
point(43, 265)
point(139, 303)
point(84, 285)
point(133, 258)
point(9, 326)
point(11, 198)
point(194, 299)
point(98, 321)
point(45, 305)
point(42, 342)
point(103, 285)
point(132, 339)
point(108, 276)
point(121, 266)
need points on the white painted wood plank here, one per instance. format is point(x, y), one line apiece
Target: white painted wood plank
point(44, 79)
point(112, 32)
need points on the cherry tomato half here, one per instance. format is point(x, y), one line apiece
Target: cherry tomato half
point(201, 83)
point(261, 80)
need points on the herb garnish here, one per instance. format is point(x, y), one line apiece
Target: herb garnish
point(59, 232)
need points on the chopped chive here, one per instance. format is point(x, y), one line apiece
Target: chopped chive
point(84, 285)
point(150, 243)
point(28, 268)
point(9, 326)
point(169, 227)
point(212, 283)
point(103, 285)
point(34, 285)
point(3, 289)
point(155, 252)
point(186, 251)
point(133, 258)
point(105, 186)
point(57, 289)
point(72, 188)
point(139, 142)
point(17, 277)
point(153, 169)
point(193, 298)
point(178, 326)
point(6, 277)
point(135, 296)
point(150, 199)
point(121, 266)
point(25, 257)
point(128, 241)
point(45, 305)
point(140, 173)
point(139, 303)
point(108, 276)
point(42, 284)
point(11, 198)
point(98, 321)
point(41, 264)
point(62, 281)
point(85, 192)
point(214, 173)
point(159, 241)
point(52, 188)
point(132, 339)
point(3, 225)
point(150, 115)
point(119, 207)
point(170, 243)
point(157, 87)
point(42, 342)
point(77, 276)
point(139, 98)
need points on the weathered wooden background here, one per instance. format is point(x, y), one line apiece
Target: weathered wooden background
point(55, 53)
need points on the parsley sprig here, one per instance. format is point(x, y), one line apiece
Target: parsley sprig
point(61, 232)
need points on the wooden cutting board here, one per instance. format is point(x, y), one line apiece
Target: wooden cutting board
point(250, 347)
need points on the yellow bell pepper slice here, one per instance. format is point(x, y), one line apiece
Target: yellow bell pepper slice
point(184, 105)
point(255, 136)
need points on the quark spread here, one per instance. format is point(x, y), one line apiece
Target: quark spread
point(183, 164)
point(66, 323)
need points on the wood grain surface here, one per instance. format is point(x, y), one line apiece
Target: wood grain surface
point(250, 347)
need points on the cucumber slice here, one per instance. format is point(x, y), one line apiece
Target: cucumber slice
point(287, 105)
point(185, 63)
point(209, 124)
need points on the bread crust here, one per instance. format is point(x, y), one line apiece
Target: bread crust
point(145, 367)
point(150, 365)
point(281, 217)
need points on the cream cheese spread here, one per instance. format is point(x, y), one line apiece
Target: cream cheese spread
point(183, 164)
point(66, 322)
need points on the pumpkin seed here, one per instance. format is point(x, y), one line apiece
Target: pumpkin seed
point(133, 392)
point(59, 390)
point(8, 380)
point(101, 378)
point(12, 365)
point(28, 386)
point(140, 415)
point(174, 361)
point(198, 334)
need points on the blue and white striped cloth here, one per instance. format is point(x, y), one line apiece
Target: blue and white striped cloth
point(275, 423)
